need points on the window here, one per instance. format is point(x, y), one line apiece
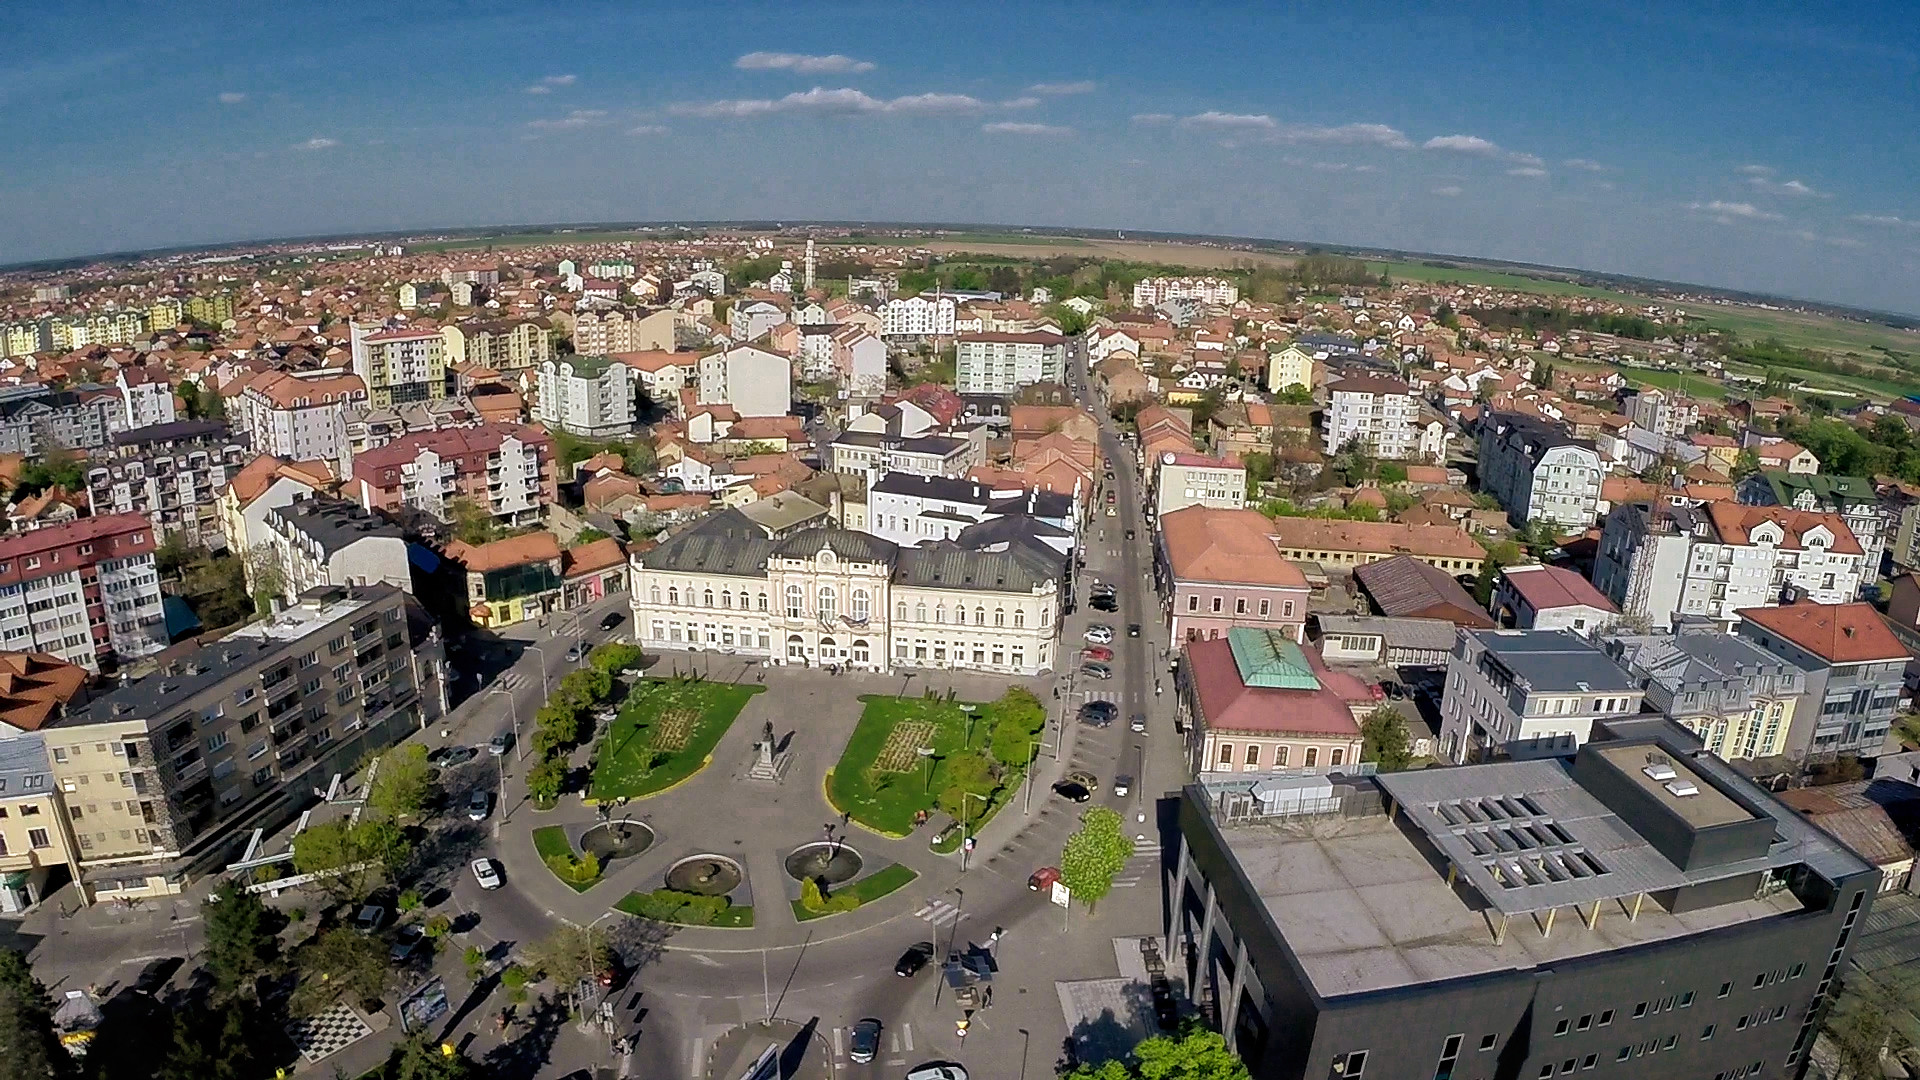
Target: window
point(862, 605)
point(1606, 1017)
point(1585, 1023)
point(1226, 753)
point(1561, 1028)
point(1796, 971)
point(1253, 755)
point(829, 602)
point(1625, 1053)
point(1286, 610)
point(1334, 757)
point(1686, 1000)
point(1640, 1010)
point(1546, 1070)
point(1280, 757)
point(1760, 980)
point(1779, 1012)
point(1193, 603)
point(1313, 756)
point(999, 616)
point(1216, 605)
point(1725, 989)
point(1667, 1044)
point(1589, 1061)
point(37, 838)
point(1449, 1053)
point(1706, 1033)
point(794, 601)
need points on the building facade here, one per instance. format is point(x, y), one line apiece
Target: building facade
point(617, 331)
point(1219, 569)
point(1871, 520)
point(1538, 472)
point(1254, 701)
point(178, 492)
point(1181, 480)
point(1375, 412)
point(86, 591)
point(1735, 697)
point(1852, 665)
point(917, 316)
point(1152, 292)
point(1527, 694)
point(145, 395)
point(318, 542)
point(34, 420)
point(506, 469)
point(1002, 363)
point(835, 597)
point(300, 416)
point(589, 396)
point(399, 365)
point(754, 381)
point(503, 345)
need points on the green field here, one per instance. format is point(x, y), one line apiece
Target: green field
point(506, 240)
point(1408, 271)
point(883, 781)
point(664, 734)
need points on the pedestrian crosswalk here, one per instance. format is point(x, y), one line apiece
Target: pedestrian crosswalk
point(1103, 695)
point(937, 912)
point(1144, 865)
point(509, 682)
point(894, 1041)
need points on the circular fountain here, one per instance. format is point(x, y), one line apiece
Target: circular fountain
point(616, 840)
point(825, 861)
point(705, 875)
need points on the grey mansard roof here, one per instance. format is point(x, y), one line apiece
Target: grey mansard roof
point(715, 548)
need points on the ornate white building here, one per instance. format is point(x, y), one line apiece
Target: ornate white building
point(834, 596)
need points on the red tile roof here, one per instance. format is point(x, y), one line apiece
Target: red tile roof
point(1229, 705)
point(1735, 523)
point(1548, 587)
point(1205, 544)
point(1837, 633)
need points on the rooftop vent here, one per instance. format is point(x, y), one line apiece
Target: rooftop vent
point(1681, 789)
point(1660, 772)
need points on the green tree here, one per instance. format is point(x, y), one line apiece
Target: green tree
point(571, 953)
point(1294, 394)
point(349, 859)
point(29, 1049)
point(341, 962)
point(265, 578)
point(1386, 742)
point(242, 945)
point(210, 1044)
point(421, 1059)
point(1500, 553)
point(402, 780)
point(545, 780)
point(1861, 1027)
point(1194, 1054)
point(1094, 855)
point(588, 535)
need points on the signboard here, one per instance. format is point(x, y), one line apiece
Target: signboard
point(426, 1004)
point(1060, 895)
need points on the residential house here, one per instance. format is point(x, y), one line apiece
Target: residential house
point(300, 416)
point(145, 394)
point(1345, 544)
point(1219, 569)
point(1738, 698)
point(1852, 665)
point(1528, 694)
point(178, 492)
point(1538, 597)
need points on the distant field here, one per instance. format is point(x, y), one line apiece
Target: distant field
point(1807, 331)
point(1040, 247)
point(1406, 271)
point(530, 240)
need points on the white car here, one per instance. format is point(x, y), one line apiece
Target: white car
point(1100, 635)
point(938, 1072)
point(486, 874)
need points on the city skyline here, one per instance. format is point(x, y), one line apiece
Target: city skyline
point(1474, 131)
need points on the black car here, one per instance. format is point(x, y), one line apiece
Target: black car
point(1072, 792)
point(917, 956)
point(1133, 629)
point(1105, 603)
point(1129, 534)
point(864, 1041)
point(612, 620)
point(1099, 713)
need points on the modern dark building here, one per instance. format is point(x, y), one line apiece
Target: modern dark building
point(1639, 909)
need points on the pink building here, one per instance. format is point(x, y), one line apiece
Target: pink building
point(1220, 569)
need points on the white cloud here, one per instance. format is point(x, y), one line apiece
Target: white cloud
point(317, 143)
point(1020, 103)
point(1793, 188)
point(1006, 128)
point(1345, 135)
point(1527, 170)
point(1726, 212)
point(1463, 144)
point(1890, 221)
point(1341, 166)
point(1449, 191)
point(1755, 170)
point(845, 101)
point(232, 97)
point(1085, 86)
point(1585, 165)
point(1153, 118)
point(803, 63)
point(578, 118)
point(1217, 119)
point(1531, 161)
point(648, 129)
point(546, 85)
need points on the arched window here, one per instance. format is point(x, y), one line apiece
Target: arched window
point(706, 598)
point(795, 601)
point(862, 605)
point(653, 595)
point(726, 598)
point(920, 611)
point(828, 602)
point(1280, 757)
point(1337, 754)
point(1046, 616)
point(796, 648)
point(761, 601)
point(999, 616)
point(979, 616)
point(939, 613)
point(860, 653)
point(1019, 619)
point(900, 610)
point(673, 596)
point(1313, 756)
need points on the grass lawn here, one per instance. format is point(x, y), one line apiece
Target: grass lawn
point(665, 732)
point(552, 844)
point(883, 781)
point(868, 889)
point(663, 905)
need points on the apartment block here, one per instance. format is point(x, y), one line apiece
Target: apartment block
point(85, 591)
point(1666, 415)
point(1663, 562)
point(1152, 292)
point(1872, 520)
point(318, 542)
point(503, 345)
point(177, 492)
point(172, 769)
point(1528, 694)
point(506, 469)
point(301, 416)
point(35, 420)
point(754, 381)
point(599, 333)
point(1539, 472)
point(1376, 412)
point(589, 396)
point(399, 365)
point(917, 316)
point(1181, 480)
point(1002, 363)
point(1736, 698)
point(145, 395)
point(1853, 667)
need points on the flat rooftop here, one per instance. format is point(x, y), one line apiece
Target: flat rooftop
point(1364, 908)
point(1707, 806)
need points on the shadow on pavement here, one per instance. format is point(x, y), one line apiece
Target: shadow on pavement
point(522, 1057)
point(475, 998)
point(1104, 1038)
point(795, 1053)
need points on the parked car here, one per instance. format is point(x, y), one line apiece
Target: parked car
point(1104, 603)
point(1133, 629)
point(405, 942)
point(917, 956)
point(487, 874)
point(938, 1072)
point(1096, 671)
point(1042, 880)
point(1098, 652)
point(500, 744)
point(1098, 713)
point(449, 756)
point(1138, 723)
point(1072, 792)
point(370, 918)
point(1099, 634)
point(1084, 778)
point(1122, 783)
point(864, 1041)
point(479, 804)
point(612, 620)
point(574, 653)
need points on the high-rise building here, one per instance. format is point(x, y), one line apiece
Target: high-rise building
point(1002, 363)
point(505, 469)
point(86, 591)
point(589, 396)
point(400, 365)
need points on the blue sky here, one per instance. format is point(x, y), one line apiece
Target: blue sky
point(1763, 146)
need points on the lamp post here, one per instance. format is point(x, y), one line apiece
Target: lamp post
point(966, 841)
point(545, 691)
point(513, 710)
point(926, 753)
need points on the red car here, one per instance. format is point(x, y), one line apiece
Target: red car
point(1042, 879)
point(1097, 652)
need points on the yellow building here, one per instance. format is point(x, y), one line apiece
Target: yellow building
point(502, 344)
point(1289, 367)
point(20, 339)
point(34, 833)
point(166, 313)
point(210, 309)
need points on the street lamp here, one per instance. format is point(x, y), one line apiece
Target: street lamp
point(966, 841)
point(926, 752)
point(545, 692)
point(513, 709)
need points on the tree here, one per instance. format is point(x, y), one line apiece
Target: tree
point(241, 943)
point(588, 535)
point(1094, 855)
point(1861, 1027)
point(421, 1059)
point(1500, 553)
point(264, 577)
point(570, 954)
point(349, 859)
point(1195, 1054)
point(210, 1044)
point(401, 782)
point(545, 780)
point(339, 963)
point(29, 1049)
point(1386, 742)
point(1294, 394)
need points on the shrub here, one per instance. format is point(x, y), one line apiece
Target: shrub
point(438, 927)
point(515, 977)
point(813, 898)
point(574, 869)
point(545, 780)
point(615, 656)
point(410, 900)
point(671, 906)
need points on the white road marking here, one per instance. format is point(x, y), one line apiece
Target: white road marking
point(837, 1051)
point(907, 1031)
point(704, 959)
point(699, 1058)
point(893, 1043)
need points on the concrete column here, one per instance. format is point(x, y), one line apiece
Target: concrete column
point(1234, 989)
point(1177, 914)
point(1206, 934)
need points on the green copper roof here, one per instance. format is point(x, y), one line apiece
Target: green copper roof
point(1838, 491)
point(1270, 659)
